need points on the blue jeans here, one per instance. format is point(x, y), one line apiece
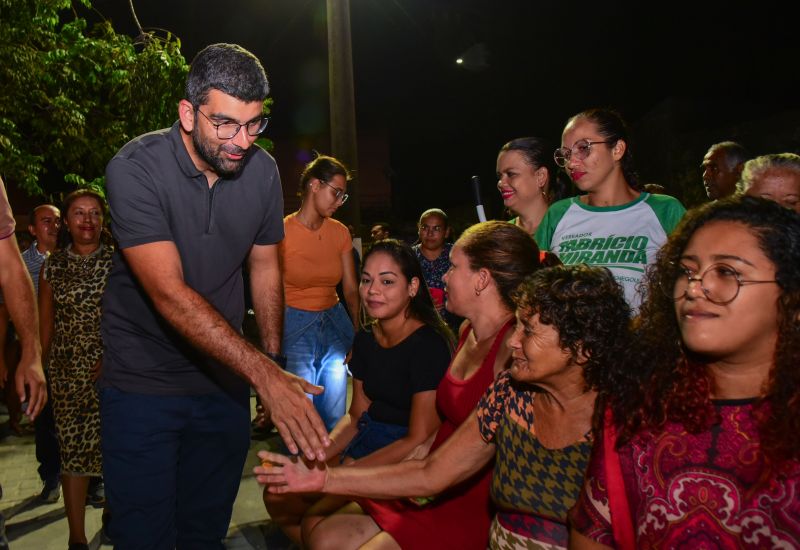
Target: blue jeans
point(172, 466)
point(315, 344)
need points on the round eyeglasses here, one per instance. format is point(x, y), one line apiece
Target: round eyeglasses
point(338, 193)
point(720, 283)
point(228, 130)
point(581, 149)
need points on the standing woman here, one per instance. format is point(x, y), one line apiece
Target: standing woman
point(70, 289)
point(315, 256)
point(528, 180)
point(705, 402)
point(433, 253)
point(613, 224)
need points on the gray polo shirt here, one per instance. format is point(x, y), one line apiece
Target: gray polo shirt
point(157, 194)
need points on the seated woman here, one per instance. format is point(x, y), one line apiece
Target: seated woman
point(706, 412)
point(397, 363)
point(489, 261)
point(572, 323)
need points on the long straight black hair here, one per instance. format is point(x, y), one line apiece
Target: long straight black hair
point(421, 306)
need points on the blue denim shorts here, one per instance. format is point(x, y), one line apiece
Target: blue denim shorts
point(371, 436)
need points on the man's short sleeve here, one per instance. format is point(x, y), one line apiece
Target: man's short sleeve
point(7, 223)
point(271, 231)
point(137, 215)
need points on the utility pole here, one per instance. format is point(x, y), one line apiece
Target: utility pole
point(342, 101)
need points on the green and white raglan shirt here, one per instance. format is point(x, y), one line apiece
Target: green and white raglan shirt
point(622, 238)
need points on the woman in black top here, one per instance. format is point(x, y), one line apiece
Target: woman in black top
point(398, 359)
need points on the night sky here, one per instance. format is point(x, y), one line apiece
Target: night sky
point(543, 62)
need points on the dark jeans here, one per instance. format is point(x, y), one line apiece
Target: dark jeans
point(172, 467)
point(47, 447)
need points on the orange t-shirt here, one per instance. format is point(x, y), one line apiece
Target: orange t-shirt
point(312, 262)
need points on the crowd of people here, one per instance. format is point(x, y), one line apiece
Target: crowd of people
point(601, 370)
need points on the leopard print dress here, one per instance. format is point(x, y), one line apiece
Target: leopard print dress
point(77, 283)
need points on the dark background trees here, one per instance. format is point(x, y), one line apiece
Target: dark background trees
point(72, 93)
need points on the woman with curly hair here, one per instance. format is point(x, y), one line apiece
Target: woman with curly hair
point(700, 446)
point(536, 419)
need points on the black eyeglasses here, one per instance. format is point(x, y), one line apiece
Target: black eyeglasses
point(338, 193)
point(720, 283)
point(228, 130)
point(581, 150)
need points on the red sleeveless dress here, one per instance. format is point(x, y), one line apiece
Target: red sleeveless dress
point(461, 516)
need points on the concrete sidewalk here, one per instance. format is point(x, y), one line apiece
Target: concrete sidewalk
point(31, 525)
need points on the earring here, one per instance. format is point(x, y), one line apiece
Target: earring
point(477, 292)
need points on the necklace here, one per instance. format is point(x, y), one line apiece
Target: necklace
point(311, 227)
point(85, 263)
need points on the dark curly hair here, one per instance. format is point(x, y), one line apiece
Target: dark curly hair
point(506, 251)
point(421, 306)
point(660, 380)
point(588, 309)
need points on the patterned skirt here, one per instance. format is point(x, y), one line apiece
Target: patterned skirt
point(501, 538)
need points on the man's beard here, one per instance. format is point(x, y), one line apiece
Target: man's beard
point(223, 167)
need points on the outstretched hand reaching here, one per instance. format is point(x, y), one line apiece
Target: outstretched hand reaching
point(290, 474)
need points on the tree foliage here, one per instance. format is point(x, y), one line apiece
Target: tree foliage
point(71, 96)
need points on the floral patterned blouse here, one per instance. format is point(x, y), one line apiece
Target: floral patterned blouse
point(708, 490)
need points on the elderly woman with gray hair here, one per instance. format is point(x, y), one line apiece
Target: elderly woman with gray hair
point(775, 177)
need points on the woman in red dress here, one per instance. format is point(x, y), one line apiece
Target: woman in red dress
point(489, 262)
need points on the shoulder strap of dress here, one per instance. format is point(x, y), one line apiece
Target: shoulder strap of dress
point(497, 341)
point(463, 338)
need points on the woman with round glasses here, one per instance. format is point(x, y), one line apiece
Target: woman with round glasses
point(700, 445)
point(315, 256)
point(528, 181)
point(613, 224)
